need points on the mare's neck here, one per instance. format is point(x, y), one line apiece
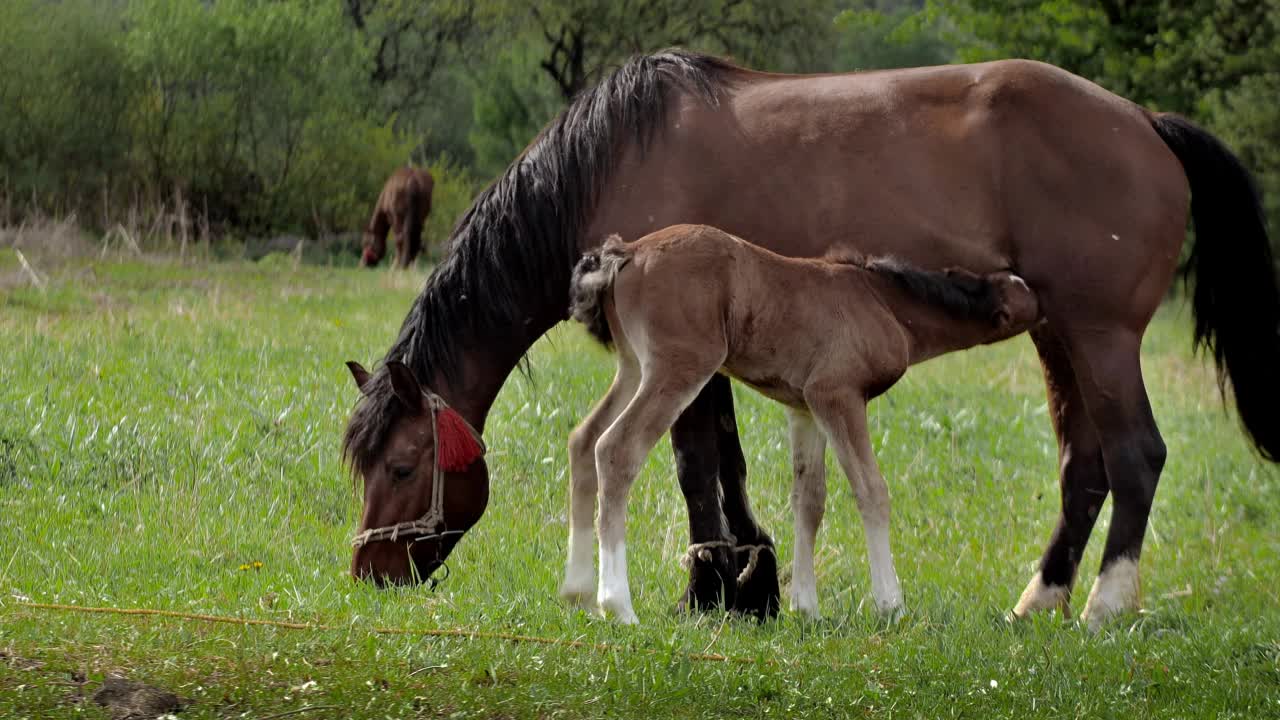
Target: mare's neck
point(484, 359)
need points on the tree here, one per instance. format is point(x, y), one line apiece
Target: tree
point(410, 41)
point(1213, 60)
point(584, 37)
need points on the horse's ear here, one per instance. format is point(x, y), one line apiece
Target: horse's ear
point(360, 374)
point(406, 386)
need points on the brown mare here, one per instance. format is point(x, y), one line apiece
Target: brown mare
point(403, 206)
point(822, 338)
point(1010, 165)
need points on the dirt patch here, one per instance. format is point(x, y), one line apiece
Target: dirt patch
point(128, 700)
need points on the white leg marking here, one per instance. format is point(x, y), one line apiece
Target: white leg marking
point(620, 452)
point(579, 570)
point(1115, 591)
point(845, 424)
point(808, 503)
point(1039, 596)
point(614, 595)
point(884, 578)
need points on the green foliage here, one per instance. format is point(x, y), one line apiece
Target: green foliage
point(580, 39)
point(64, 87)
point(1213, 60)
point(1248, 115)
point(513, 100)
point(250, 107)
point(872, 38)
point(286, 116)
point(455, 187)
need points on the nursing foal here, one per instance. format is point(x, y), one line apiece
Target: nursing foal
point(822, 337)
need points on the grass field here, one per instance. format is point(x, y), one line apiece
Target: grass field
point(164, 427)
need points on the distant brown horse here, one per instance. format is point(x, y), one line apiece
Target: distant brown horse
point(1009, 165)
point(822, 338)
point(403, 206)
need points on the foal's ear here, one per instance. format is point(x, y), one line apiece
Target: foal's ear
point(359, 373)
point(405, 386)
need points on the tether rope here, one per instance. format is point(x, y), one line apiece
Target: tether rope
point(430, 632)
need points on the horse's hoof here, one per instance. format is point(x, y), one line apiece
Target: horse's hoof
point(759, 596)
point(1039, 597)
point(711, 585)
point(584, 598)
point(618, 610)
point(1115, 592)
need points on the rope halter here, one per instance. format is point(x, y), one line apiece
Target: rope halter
point(431, 525)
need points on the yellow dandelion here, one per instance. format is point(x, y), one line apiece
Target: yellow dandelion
point(244, 567)
point(257, 564)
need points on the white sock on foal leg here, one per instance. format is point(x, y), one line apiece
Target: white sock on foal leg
point(579, 570)
point(884, 578)
point(614, 594)
point(808, 502)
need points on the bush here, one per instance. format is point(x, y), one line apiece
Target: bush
point(258, 110)
point(64, 90)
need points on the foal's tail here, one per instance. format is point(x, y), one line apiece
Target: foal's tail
point(592, 283)
point(1232, 277)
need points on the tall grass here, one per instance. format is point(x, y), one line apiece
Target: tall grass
point(164, 425)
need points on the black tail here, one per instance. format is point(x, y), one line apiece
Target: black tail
point(1231, 275)
point(591, 283)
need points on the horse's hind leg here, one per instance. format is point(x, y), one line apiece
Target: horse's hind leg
point(663, 394)
point(758, 595)
point(1110, 381)
point(413, 236)
point(843, 417)
point(808, 502)
point(1083, 481)
point(400, 228)
point(579, 573)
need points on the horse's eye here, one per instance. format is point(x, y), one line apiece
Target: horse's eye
point(401, 472)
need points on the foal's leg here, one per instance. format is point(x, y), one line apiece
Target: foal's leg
point(844, 419)
point(579, 572)
point(663, 393)
point(808, 502)
point(1110, 376)
point(759, 594)
point(1083, 481)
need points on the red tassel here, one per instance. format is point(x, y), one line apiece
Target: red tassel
point(456, 447)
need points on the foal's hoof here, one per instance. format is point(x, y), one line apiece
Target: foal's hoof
point(759, 595)
point(712, 583)
point(584, 598)
point(618, 610)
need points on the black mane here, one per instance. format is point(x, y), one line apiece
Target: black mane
point(511, 255)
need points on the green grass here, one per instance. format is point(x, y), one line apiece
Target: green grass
point(163, 425)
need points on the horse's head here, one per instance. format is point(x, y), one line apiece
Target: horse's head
point(425, 480)
point(1019, 307)
point(369, 257)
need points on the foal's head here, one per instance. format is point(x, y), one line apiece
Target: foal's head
point(425, 481)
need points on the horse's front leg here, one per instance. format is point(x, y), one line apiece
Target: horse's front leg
point(757, 593)
point(579, 572)
point(694, 441)
point(620, 452)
